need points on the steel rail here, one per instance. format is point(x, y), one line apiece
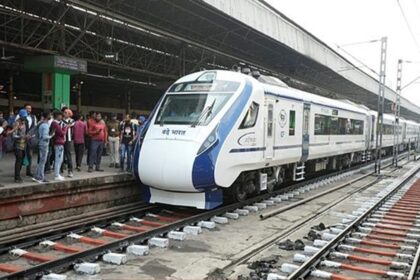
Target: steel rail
point(8, 235)
point(69, 260)
point(312, 262)
point(294, 227)
point(76, 227)
point(301, 202)
point(414, 265)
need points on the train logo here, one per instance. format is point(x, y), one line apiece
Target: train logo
point(248, 139)
point(282, 118)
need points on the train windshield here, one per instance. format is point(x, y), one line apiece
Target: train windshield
point(197, 102)
point(191, 109)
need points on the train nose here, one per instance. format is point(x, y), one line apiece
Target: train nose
point(168, 164)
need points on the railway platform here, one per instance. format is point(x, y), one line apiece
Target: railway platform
point(30, 202)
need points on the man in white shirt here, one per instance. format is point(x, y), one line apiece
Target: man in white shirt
point(68, 144)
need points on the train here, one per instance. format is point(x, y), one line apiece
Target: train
point(216, 134)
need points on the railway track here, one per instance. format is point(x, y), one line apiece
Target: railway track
point(57, 247)
point(383, 241)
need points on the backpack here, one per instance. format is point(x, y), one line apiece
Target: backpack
point(9, 144)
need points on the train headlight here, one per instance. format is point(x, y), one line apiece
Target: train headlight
point(209, 142)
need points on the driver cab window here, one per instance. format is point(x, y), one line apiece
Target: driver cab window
point(251, 116)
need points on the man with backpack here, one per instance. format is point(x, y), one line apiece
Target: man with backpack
point(43, 137)
point(30, 123)
point(20, 137)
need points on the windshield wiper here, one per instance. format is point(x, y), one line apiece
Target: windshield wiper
point(206, 112)
point(161, 113)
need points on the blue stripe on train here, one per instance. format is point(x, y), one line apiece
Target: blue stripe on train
point(204, 164)
point(246, 150)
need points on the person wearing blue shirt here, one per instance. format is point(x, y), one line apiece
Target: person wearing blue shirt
point(142, 120)
point(43, 145)
point(12, 118)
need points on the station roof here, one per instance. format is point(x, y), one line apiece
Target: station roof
point(152, 43)
point(265, 19)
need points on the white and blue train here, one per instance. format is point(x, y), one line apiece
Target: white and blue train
point(218, 132)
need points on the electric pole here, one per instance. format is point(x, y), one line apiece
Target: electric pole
point(381, 105)
point(397, 111)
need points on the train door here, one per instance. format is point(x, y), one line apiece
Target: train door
point(305, 131)
point(368, 132)
point(269, 131)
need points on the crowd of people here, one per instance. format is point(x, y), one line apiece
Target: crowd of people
point(55, 135)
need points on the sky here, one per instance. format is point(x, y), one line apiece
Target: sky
point(341, 22)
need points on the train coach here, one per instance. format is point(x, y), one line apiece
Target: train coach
point(218, 133)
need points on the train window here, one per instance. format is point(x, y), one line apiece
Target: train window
point(270, 121)
point(251, 116)
point(292, 122)
point(322, 124)
point(191, 109)
point(388, 129)
point(357, 127)
point(372, 124)
point(344, 126)
point(335, 126)
point(327, 125)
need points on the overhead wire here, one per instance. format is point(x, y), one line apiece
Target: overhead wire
point(358, 60)
point(409, 26)
point(410, 83)
point(417, 8)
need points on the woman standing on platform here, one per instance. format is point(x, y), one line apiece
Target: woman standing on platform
point(43, 146)
point(59, 139)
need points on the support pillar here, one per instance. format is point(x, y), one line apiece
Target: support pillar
point(129, 101)
point(11, 93)
point(55, 90)
point(79, 96)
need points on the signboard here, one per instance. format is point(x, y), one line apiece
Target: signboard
point(71, 64)
point(55, 64)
